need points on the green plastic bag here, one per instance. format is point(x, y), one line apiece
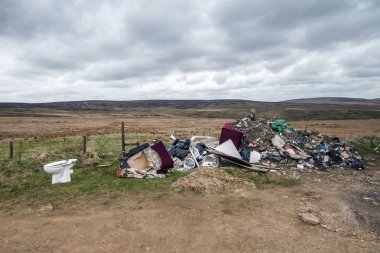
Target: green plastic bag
point(281, 126)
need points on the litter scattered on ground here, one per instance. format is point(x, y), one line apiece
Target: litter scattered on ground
point(103, 165)
point(252, 144)
point(47, 208)
point(211, 180)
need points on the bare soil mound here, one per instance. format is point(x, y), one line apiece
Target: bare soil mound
point(211, 180)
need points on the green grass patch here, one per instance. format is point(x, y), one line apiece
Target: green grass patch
point(27, 180)
point(23, 181)
point(366, 145)
point(286, 182)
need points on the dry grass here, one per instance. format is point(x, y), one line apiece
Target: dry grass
point(76, 124)
point(96, 123)
point(346, 129)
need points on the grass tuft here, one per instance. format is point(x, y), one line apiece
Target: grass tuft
point(366, 145)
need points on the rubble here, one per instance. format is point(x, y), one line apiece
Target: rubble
point(211, 180)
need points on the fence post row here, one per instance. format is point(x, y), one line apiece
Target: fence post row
point(123, 143)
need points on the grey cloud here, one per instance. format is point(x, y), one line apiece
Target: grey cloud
point(364, 72)
point(256, 24)
point(252, 49)
point(26, 19)
point(346, 27)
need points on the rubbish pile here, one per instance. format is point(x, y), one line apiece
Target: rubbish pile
point(250, 143)
point(274, 142)
point(154, 160)
point(149, 160)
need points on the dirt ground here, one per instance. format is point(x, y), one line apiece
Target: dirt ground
point(347, 202)
point(246, 220)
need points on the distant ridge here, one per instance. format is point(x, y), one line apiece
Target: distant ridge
point(333, 100)
point(109, 104)
point(299, 109)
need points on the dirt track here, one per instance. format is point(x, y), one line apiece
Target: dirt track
point(266, 220)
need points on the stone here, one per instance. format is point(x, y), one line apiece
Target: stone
point(310, 218)
point(325, 226)
point(47, 208)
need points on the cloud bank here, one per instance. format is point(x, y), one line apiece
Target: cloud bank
point(245, 49)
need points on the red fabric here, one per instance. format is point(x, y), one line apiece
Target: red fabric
point(228, 125)
point(167, 161)
point(235, 136)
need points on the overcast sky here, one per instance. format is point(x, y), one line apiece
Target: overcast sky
point(245, 49)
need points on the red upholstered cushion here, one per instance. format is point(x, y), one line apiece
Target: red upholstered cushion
point(167, 161)
point(235, 136)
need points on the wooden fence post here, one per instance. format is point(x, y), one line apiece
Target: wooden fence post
point(84, 144)
point(11, 150)
point(20, 151)
point(122, 138)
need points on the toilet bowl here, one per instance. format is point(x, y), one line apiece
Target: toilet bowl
point(61, 171)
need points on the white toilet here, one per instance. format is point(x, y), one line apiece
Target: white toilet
point(61, 171)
